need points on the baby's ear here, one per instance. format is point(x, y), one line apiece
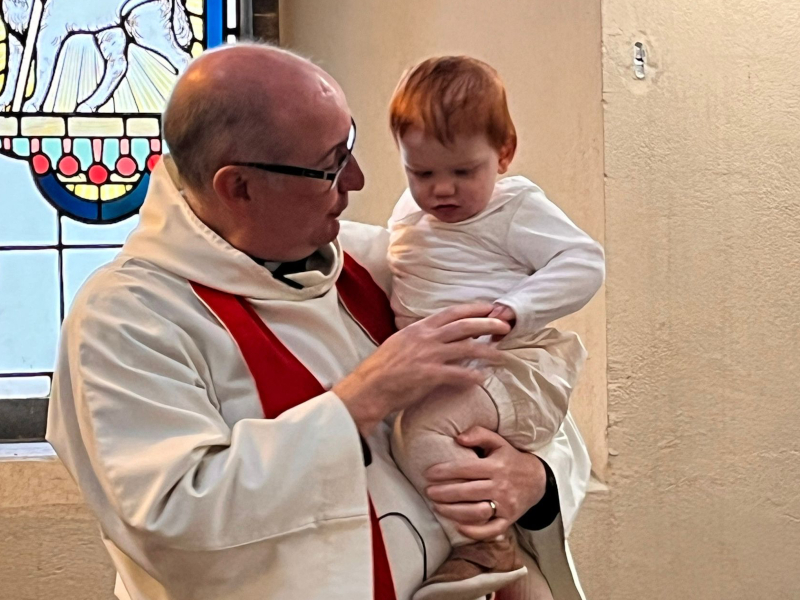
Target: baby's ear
point(506, 156)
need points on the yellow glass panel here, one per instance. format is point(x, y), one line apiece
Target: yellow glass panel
point(9, 126)
point(2, 56)
point(146, 127)
point(111, 191)
point(31, 80)
point(96, 127)
point(87, 192)
point(43, 126)
point(80, 178)
point(195, 6)
point(197, 27)
point(2, 31)
point(197, 49)
point(120, 179)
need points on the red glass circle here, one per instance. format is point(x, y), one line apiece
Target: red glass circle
point(41, 164)
point(68, 165)
point(98, 174)
point(153, 161)
point(126, 166)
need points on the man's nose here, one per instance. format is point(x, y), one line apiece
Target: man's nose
point(352, 177)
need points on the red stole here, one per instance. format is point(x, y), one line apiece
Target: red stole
point(270, 361)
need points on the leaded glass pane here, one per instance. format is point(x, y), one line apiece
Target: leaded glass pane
point(78, 265)
point(26, 219)
point(29, 310)
point(36, 386)
point(75, 233)
point(82, 86)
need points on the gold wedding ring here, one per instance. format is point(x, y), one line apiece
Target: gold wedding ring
point(494, 509)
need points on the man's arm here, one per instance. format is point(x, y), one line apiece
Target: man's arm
point(159, 458)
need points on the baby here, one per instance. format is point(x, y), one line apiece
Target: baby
point(460, 235)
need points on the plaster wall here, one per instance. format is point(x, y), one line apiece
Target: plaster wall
point(548, 54)
point(49, 543)
point(703, 241)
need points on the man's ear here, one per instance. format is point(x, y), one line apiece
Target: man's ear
point(506, 156)
point(230, 185)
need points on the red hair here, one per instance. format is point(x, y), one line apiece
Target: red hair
point(451, 95)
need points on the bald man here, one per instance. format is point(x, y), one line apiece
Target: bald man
point(224, 388)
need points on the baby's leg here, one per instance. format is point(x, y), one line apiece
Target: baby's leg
point(532, 389)
point(424, 435)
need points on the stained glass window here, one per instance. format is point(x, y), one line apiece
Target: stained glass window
point(82, 85)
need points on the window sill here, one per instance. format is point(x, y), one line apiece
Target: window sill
point(27, 451)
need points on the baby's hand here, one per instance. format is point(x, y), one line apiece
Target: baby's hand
point(504, 313)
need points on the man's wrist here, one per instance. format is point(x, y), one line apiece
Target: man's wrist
point(365, 414)
point(544, 512)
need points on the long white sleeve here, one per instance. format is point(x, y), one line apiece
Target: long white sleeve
point(167, 463)
point(568, 266)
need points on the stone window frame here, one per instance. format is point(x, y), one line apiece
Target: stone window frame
point(25, 419)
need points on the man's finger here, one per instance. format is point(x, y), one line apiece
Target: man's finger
point(466, 513)
point(457, 376)
point(462, 470)
point(470, 349)
point(487, 531)
point(457, 313)
point(480, 437)
point(465, 491)
point(472, 327)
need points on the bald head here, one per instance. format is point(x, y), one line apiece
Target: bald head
point(243, 103)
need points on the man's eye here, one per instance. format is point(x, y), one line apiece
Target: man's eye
point(336, 163)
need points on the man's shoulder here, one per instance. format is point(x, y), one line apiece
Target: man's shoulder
point(127, 286)
point(368, 245)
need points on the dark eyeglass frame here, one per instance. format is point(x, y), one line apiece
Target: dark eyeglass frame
point(332, 176)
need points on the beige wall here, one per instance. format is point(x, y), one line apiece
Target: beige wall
point(549, 56)
point(703, 239)
point(702, 226)
point(50, 545)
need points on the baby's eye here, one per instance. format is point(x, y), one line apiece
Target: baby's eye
point(463, 172)
point(423, 174)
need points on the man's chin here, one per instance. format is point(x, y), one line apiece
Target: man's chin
point(332, 232)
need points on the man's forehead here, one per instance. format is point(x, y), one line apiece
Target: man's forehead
point(314, 134)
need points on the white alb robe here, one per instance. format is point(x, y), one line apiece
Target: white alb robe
point(156, 416)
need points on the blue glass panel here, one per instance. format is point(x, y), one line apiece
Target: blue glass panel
point(21, 146)
point(214, 22)
point(79, 264)
point(140, 149)
point(77, 233)
point(35, 386)
point(29, 310)
point(52, 148)
point(118, 209)
point(26, 219)
point(82, 149)
point(110, 153)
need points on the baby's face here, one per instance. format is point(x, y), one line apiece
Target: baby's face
point(453, 182)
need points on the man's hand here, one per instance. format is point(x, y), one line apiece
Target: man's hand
point(515, 481)
point(421, 357)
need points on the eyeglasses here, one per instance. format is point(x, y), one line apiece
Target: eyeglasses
point(332, 176)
